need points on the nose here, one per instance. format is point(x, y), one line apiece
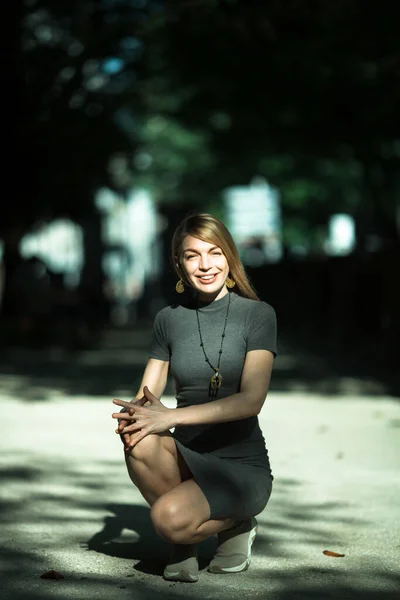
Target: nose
point(205, 262)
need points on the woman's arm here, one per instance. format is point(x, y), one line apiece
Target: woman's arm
point(247, 403)
point(156, 418)
point(155, 377)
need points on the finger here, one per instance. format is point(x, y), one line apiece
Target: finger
point(122, 403)
point(122, 416)
point(135, 439)
point(131, 428)
point(150, 397)
point(123, 427)
point(121, 422)
point(120, 429)
point(127, 417)
point(127, 441)
point(141, 401)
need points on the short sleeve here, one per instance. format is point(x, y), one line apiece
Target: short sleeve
point(262, 328)
point(159, 347)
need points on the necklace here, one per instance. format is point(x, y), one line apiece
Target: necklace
point(216, 379)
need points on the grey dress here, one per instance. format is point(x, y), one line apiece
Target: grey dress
point(228, 460)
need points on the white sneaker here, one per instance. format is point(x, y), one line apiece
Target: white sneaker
point(183, 564)
point(234, 548)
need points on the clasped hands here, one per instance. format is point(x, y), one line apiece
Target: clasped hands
point(139, 420)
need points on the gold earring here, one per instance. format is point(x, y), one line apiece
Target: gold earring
point(180, 288)
point(230, 283)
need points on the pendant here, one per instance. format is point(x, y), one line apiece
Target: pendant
point(216, 380)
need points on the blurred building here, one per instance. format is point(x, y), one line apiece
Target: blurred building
point(254, 219)
point(130, 249)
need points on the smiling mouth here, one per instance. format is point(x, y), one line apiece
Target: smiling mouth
point(207, 278)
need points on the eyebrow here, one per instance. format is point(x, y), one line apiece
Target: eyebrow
point(197, 252)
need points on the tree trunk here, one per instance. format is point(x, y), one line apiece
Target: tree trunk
point(95, 307)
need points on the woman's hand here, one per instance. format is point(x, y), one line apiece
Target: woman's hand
point(122, 423)
point(153, 418)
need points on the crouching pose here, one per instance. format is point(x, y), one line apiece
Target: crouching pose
point(211, 476)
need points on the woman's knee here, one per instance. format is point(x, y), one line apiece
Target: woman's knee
point(149, 447)
point(169, 520)
point(145, 448)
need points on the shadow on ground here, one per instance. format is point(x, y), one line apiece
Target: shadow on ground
point(116, 368)
point(109, 549)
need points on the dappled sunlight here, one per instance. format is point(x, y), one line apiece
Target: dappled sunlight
point(68, 504)
point(47, 375)
point(116, 368)
point(265, 114)
point(88, 537)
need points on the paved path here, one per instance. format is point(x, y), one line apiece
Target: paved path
point(67, 503)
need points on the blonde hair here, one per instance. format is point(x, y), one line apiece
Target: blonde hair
point(209, 229)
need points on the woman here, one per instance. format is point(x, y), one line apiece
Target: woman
point(212, 474)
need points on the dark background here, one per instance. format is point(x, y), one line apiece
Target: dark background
point(304, 94)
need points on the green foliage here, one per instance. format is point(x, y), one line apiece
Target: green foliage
point(174, 155)
point(78, 66)
point(308, 96)
point(204, 94)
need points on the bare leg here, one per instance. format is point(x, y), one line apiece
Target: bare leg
point(155, 466)
point(182, 515)
point(181, 512)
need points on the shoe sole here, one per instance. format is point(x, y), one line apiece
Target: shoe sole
point(183, 575)
point(244, 565)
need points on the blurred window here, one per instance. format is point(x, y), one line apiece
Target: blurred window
point(254, 219)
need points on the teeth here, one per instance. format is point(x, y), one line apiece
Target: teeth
point(207, 277)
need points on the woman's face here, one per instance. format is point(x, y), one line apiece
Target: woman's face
point(205, 267)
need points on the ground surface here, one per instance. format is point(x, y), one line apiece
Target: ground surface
point(67, 503)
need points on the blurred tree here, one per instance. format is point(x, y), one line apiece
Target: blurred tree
point(210, 93)
point(203, 94)
point(297, 91)
point(173, 161)
point(78, 66)
point(78, 63)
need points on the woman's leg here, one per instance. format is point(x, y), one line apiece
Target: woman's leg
point(182, 515)
point(155, 466)
point(181, 511)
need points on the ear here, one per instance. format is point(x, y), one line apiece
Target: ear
point(178, 267)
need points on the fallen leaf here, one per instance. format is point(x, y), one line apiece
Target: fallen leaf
point(331, 553)
point(51, 575)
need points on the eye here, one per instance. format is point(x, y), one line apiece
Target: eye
point(189, 256)
point(217, 253)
